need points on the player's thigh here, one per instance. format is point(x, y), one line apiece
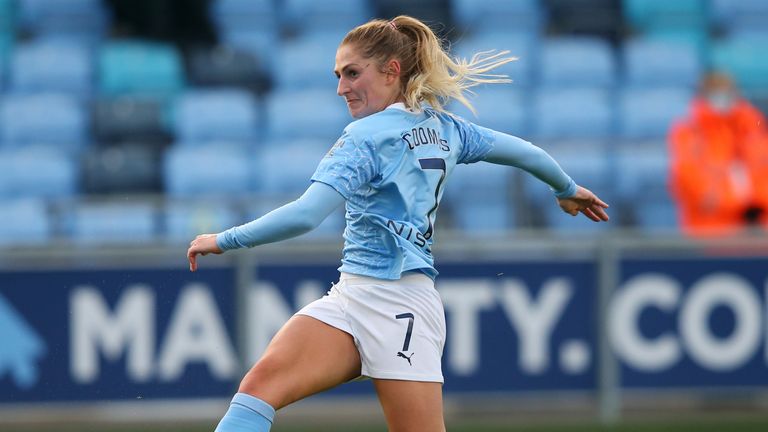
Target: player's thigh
point(305, 357)
point(411, 405)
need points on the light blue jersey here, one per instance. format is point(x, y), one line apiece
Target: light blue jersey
point(392, 167)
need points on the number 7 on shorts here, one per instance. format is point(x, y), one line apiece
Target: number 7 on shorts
point(410, 317)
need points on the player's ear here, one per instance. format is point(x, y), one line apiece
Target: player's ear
point(392, 69)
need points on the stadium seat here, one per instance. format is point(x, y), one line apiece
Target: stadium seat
point(649, 63)
point(50, 65)
point(216, 115)
point(523, 16)
point(227, 66)
point(498, 106)
point(572, 113)
point(316, 56)
point(648, 113)
point(124, 168)
point(239, 15)
point(430, 11)
point(85, 20)
point(136, 67)
point(601, 18)
point(206, 170)
point(478, 196)
point(317, 114)
point(302, 16)
point(113, 222)
point(522, 46)
point(743, 57)
point(588, 167)
point(45, 118)
point(131, 118)
point(577, 61)
point(272, 177)
point(39, 172)
point(651, 15)
point(26, 222)
point(642, 186)
point(183, 220)
point(743, 16)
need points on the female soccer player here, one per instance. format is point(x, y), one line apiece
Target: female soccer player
point(383, 319)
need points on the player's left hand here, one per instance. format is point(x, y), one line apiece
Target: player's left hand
point(585, 202)
point(201, 245)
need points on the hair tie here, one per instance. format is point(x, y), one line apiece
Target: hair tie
point(393, 25)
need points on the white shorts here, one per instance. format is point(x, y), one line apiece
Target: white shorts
point(398, 326)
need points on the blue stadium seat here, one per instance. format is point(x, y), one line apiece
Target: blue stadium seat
point(524, 16)
point(249, 25)
point(649, 63)
point(284, 167)
point(648, 113)
point(318, 114)
point(113, 222)
point(523, 46)
point(216, 115)
point(236, 15)
point(227, 66)
point(498, 106)
point(302, 16)
point(577, 61)
point(478, 197)
point(183, 220)
point(642, 186)
point(589, 167)
point(743, 16)
point(128, 117)
point(124, 168)
point(39, 172)
point(572, 113)
point(26, 222)
point(132, 66)
point(316, 54)
point(210, 170)
point(51, 65)
point(651, 15)
point(744, 58)
point(85, 20)
point(44, 118)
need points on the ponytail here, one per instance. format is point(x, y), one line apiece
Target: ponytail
point(428, 73)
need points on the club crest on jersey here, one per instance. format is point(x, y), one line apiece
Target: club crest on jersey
point(337, 145)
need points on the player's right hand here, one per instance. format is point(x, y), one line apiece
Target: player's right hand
point(202, 245)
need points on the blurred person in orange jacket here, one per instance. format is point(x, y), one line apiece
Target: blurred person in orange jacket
point(719, 162)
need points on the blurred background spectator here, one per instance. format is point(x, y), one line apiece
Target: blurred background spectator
point(719, 161)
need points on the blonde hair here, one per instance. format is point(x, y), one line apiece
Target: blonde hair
point(427, 72)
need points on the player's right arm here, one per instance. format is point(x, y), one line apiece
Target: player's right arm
point(293, 219)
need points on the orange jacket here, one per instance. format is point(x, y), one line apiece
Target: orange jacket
point(706, 151)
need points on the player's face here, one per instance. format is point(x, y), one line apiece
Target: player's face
point(362, 84)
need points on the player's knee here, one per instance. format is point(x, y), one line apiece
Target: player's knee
point(263, 380)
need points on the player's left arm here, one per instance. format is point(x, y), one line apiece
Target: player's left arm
point(573, 199)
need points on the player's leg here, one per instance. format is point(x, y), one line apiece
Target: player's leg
point(305, 357)
point(411, 405)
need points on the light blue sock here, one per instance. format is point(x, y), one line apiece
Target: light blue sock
point(247, 414)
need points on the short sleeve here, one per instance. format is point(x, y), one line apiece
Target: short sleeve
point(347, 166)
point(477, 142)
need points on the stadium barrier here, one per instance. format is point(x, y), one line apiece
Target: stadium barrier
point(123, 332)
